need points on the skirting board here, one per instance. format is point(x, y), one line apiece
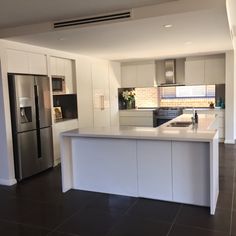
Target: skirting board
point(57, 162)
point(229, 141)
point(8, 182)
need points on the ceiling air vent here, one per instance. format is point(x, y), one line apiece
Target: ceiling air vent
point(93, 20)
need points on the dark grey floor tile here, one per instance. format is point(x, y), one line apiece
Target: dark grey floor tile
point(200, 217)
point(130, 226)
point(225, 200)
point(233, 227)
point(34, 213)
point(91, 222)
point(155, 210)
point(60, 234)
point(13, 229)
point(226, 184)
point(180, 230)
point(226, 171)
point(110, 201)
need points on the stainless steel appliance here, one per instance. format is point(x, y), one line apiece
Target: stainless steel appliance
point(164, 114)
point(31, 124)
point(58, 85)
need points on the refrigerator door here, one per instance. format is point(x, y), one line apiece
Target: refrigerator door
point(27, 162)
point(23, 102)
point(46, 148)
point(44, 101)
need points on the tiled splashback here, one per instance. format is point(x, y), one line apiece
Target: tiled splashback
point(186, 102)
point(146, 97)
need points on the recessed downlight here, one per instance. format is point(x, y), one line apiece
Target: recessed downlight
point(168, 26)
point(188, 42)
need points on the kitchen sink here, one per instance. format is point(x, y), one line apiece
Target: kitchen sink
point(180, 124)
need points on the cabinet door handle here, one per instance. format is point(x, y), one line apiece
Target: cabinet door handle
point(102, 100)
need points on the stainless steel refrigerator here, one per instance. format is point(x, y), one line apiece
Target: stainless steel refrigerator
point(31, 124)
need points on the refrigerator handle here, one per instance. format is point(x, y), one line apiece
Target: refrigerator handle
point(37, 121)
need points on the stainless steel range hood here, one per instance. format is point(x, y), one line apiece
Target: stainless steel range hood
point(170, 73)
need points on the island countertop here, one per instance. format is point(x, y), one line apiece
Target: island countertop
point(202, 132)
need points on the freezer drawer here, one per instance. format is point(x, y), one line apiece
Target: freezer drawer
point(27, 162)
point(46, 159)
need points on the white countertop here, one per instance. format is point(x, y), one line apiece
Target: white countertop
point(201, 133)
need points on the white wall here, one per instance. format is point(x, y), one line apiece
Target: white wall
point(229, 102)
point(7, 174)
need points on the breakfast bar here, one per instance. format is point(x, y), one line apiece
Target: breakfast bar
point(177, 161)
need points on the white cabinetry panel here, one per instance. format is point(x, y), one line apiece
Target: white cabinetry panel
point(154, 169)
point(85, 92)
point(57, 129)
point(128, 76)
point(146, 75)
point(139, 75)
point(37, 64)
point(26, 62)
point(114, 81)
point(215, 70)
point(101, 96)
point(17, 61)
point(105, 166)
point(194, 71)
point(191, 169)
point(205, 70)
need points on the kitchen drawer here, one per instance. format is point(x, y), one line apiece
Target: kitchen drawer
point(136, 113)
point(136, 121)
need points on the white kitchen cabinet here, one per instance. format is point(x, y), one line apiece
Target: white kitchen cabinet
point(180, 71)
point(205, 70)
point(26, 62)
point(141, 118)
point(98, 83)
point(195, 71)
point(154, 169)
point(128, 76)
point(191, 165)
point(139, 75)
point(69, 76)
point(215, 69)
point(114, 83)
point(57, 128)
point(85, 92)
point(146, 75)
point(101, 93)
point(37, 64)
point(17, 61)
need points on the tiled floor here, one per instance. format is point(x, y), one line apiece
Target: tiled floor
point(37, 207)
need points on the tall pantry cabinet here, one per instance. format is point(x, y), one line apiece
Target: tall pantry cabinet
point(98, 83)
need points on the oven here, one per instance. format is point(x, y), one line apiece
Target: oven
point(165, 114)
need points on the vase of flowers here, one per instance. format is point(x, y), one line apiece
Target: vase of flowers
point(129, 97)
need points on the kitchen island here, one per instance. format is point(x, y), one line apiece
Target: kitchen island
point(178, 164)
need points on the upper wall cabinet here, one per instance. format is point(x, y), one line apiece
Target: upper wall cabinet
point(205, 70)
point(142, 74)
point(25, 62)
point(64, 67)
point(215, 69)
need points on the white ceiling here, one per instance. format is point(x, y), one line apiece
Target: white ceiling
point(201, 31)
point(19, 12)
